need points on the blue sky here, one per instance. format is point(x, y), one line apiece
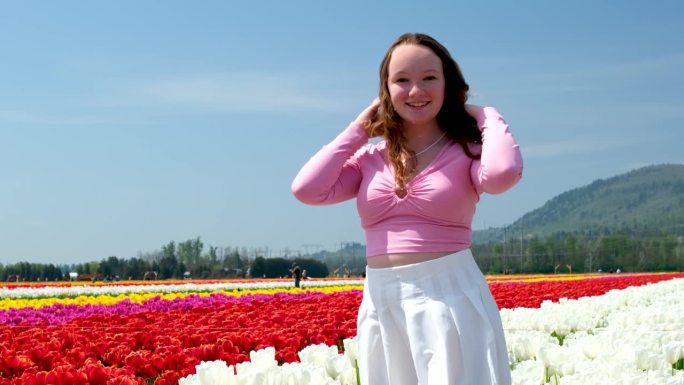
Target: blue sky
point(125, 125)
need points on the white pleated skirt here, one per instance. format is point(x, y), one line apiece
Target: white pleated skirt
point(431, 323)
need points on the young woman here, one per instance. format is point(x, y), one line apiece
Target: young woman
point(427, 315)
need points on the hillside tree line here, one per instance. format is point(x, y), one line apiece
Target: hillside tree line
point(188, 259)
point(560, 253)
point(582, 253)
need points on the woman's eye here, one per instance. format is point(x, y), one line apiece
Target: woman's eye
point(401, 80)
point(431, 77)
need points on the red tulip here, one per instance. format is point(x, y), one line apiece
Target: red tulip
point(97, 375)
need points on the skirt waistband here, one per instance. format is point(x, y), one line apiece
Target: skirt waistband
point(453, 274)
point(457, 263)
point(449, 260)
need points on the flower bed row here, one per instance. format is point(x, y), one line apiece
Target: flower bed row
point(160, 341)
point(631, 336)
point(510, 295)
point(40, 308)
point(506, 289)
point(261, 282)
point(49, 291)
point(165, 345)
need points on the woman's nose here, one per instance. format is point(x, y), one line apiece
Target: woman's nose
point(415, 89)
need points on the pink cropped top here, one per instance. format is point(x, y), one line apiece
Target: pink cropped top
point(437, 212)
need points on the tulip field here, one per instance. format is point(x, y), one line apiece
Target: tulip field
point(560, 329)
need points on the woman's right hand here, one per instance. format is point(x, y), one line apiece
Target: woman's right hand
point(369, 115)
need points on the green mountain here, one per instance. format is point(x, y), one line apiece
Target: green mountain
point(649, 200)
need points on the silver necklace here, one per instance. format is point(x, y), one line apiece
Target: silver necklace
point(430, 146)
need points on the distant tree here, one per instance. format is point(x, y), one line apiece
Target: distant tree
point(213, 255)
point(190, 252)
point(135, 268)
point(313, 267)
point(277, 267)
point(111, 267)
point(169, 267)
point(169, 250)
point(258, 267)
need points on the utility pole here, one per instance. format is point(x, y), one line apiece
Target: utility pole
point(308, 247)
point(521, 244)
point(350, 265)
point(503, 257)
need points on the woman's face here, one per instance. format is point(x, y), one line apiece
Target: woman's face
point(416, 84)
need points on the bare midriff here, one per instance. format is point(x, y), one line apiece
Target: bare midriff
point(394, 260)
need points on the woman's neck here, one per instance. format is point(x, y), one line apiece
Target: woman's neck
point(419, 137)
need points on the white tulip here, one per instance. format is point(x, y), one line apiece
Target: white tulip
point(351, 349)
point(189, 380)
point(527, 372)
point(263, 358)
point(674, 351)
point(336, 365)
point(244, 368)
point(317, 354)
point(214, 372)
point(348, 376)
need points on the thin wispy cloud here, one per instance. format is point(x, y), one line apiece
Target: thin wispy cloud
point(565, 148)
point(637, 165)
point(636, 67)
point(240, 92)
point(534, 89)
point(593, 76)
point(47, 119)
point(672, 110)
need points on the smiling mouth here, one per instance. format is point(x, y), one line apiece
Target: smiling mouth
point(418, 105)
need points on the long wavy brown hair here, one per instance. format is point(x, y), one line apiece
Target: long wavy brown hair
point(452, 118)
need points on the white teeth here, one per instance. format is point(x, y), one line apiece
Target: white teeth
point(423, 104)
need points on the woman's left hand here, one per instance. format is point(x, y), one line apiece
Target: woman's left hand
point(473, 110)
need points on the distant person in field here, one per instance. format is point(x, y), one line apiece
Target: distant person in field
point(427, 315)
point(296, 272)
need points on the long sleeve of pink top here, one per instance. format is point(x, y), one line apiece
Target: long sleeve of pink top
point(500, 165)
point(437, 211)
point(331, 176)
